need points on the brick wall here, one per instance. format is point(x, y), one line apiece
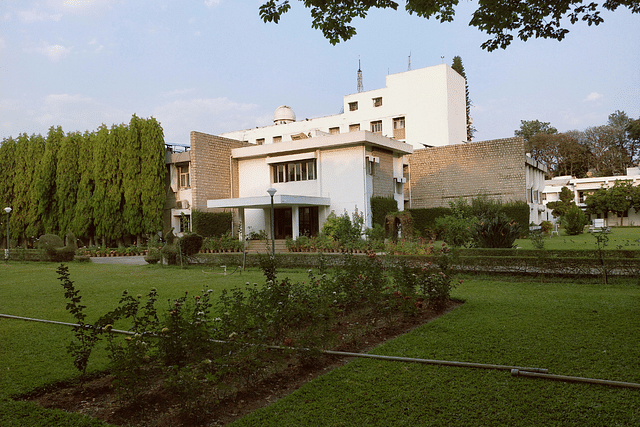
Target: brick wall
point(442, 174)
point(383, 183)
point(213, 174)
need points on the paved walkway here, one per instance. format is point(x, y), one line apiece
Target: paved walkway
point(122, 260)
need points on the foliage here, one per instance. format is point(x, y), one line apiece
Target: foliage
point(496, 232)
point(530, 128)
point(498, 20)
point(91, 183)
point(459, 68)
point(211, 224)
point(574, 221)
point(566, 202)
point(537, 238)
point(380, 208)
point(424, 219)
point(602, 240)
point(456, 229)
point(343, 229)
point(546, 227)
point(190, 244)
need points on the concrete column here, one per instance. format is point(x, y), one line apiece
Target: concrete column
point(295, 221)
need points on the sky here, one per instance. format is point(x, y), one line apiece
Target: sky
point(214, 66)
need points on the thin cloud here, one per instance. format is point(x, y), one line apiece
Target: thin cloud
point(211, 3)
point(29, 16)
point(55, 52)
point(593, 96)
point(76, 112)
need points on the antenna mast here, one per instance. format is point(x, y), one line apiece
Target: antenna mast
point(409, 67)
point(360, 87)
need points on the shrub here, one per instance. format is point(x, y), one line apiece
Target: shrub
point(496, 232)
point(190, 244)
point(574, 221)
point(53, 248)
point(343, 229)
point(546, 227)
point(380, 207)
point(211, 224)
point(455, 230)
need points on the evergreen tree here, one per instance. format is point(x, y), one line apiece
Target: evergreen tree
point(153, 175)
point(7, 164)
point(131, 165)
point(83, 224)
point(46, 181)
point(67, 180)
point(459, 68)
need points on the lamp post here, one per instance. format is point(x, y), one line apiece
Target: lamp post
point(6, 252)
point(272, 192)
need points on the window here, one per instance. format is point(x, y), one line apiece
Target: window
point(277, 139)
point(185, 182)
point(334, 131)
point(353, 106)
point(304, 170)
point(376, 126)
point(260, 141)
point(398, 128)
point(354, 128)
point(377, 102)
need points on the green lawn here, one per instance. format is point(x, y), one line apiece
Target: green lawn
point(571, 328)
point(627, 238)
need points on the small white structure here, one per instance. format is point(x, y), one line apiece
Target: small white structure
point(582, 187)
point(424, 107)
point(312, 177)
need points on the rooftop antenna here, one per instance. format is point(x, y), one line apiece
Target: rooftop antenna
point(360, 87)
point(409, 67)
point(442, 58)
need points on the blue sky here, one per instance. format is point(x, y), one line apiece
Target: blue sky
point(213, 66)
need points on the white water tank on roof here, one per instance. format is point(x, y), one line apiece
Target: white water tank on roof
point(284, 114)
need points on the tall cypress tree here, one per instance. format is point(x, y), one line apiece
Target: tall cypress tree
point(67, 180)
point(46, 181)
point(83, 222)
point(457, 66)
point(102, 173)
point(7, 164)
point(153, 175)
point(131, 166)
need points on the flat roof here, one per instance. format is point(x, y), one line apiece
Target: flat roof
point(263, 202)
point(323, 142)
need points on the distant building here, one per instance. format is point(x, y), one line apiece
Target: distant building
point(582, 187)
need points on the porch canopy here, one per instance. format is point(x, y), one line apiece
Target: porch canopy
point(264, 202)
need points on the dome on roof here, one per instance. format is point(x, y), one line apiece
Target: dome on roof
point(284, 114)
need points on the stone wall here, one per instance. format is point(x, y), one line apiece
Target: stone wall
point(213, 174)
point(495, 168)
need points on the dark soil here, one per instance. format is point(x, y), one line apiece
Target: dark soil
point(156, 408)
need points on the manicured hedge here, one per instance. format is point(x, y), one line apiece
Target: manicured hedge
point(381, 207)
point(211, 224)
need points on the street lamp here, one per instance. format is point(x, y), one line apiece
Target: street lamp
point(6, 252)
point(272, 192)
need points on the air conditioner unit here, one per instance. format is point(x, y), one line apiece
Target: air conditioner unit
point(401, 180)
point(185, 204)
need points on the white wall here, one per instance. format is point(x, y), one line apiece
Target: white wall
point(432, 100)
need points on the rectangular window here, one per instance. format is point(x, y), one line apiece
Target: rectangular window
point(185, 182)
point(295, 171)
point(334, 131)
point(260, 141)
point(398, 128)
point(354, 128)
point(277, 139)
point(376, 127)
point(377, 102)
point(353, 106)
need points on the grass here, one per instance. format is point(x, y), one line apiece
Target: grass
point(627, 238)
point(572, 328)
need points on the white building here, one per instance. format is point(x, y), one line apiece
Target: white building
point(582, 187)
point(424, 107)
point(312, 177)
